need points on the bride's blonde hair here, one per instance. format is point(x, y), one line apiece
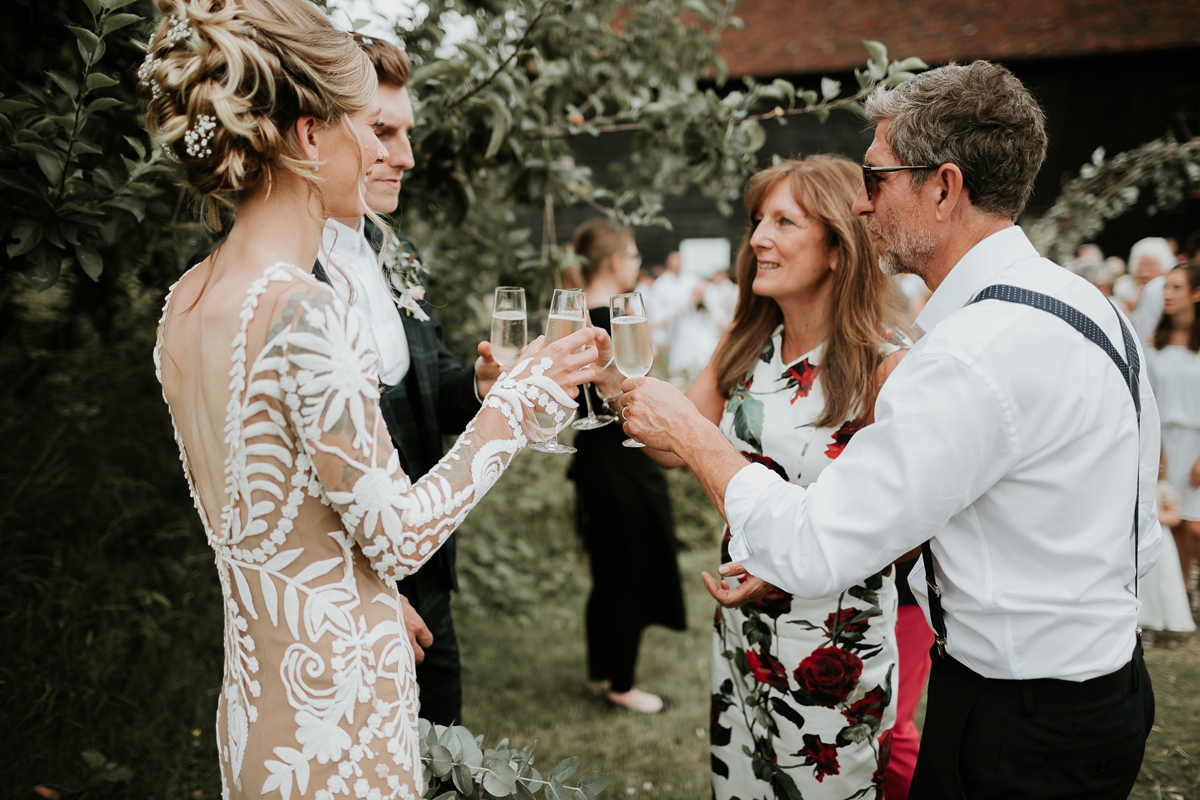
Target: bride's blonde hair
point(250, 68)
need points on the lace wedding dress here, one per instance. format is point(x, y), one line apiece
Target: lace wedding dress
point(312, 520)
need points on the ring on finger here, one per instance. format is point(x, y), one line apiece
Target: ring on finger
point(623, 417)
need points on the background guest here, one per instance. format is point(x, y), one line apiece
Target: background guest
point(1149, 261)
point(1174, 366)
point(623, 509)
point(1163, 593)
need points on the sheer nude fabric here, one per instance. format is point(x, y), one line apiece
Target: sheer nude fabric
point(311, 520)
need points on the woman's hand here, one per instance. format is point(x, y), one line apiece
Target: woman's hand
point(573, 358)
point(1194, 478)
point(749, 590)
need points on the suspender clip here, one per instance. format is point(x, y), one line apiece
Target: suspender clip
point(933, 587)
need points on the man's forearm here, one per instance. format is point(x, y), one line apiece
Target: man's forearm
point(711, 458)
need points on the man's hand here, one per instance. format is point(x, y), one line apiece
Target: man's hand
point(486, 369)
point(655, 413)
point(749, 590)
point(418, 632)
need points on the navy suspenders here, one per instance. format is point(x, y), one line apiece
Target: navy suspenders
point(1129, 366)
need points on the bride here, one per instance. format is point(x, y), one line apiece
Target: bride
point(273, 394)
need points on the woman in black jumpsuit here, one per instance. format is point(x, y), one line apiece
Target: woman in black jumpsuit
point(623, 510)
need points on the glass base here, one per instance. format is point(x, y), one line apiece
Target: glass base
point(632, 443)
point(553, 447)
point(592, 423)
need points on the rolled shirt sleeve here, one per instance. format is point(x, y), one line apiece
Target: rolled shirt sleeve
point(943, 435)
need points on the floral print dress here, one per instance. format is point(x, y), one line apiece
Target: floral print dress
point(803, 690)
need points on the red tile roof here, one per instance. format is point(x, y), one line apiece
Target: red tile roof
point(803, 36)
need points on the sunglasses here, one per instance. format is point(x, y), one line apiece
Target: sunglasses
point(872, 179)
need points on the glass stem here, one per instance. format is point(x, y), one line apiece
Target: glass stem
point(587, 398)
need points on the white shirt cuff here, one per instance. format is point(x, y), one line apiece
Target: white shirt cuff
point(741, 497)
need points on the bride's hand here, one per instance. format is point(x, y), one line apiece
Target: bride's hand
point(573, 359)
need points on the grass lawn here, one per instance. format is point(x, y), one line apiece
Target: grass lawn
point(525, 681)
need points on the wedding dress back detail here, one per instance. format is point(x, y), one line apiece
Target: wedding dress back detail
point(319, 697)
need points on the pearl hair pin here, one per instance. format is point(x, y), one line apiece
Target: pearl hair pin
point(197, 137)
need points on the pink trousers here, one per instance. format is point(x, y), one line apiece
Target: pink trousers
point(914, 639)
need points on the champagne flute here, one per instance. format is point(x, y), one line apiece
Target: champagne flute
point(593, 420)
point(631, 339)
point(568, 310)
point(508, 325)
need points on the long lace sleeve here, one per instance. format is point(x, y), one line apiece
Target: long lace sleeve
point(326, 374)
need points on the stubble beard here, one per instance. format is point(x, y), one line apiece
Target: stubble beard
point(909, 249)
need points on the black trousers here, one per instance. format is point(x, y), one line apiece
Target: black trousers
point(439, 676)
point(986, 738)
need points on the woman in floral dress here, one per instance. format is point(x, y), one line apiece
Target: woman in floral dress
point(803, 689)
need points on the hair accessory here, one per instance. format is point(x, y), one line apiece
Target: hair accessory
point(179, 29)
point(198, 137)
point(146, 72)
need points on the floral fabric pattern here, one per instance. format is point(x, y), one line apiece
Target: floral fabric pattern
point(802, 704)
point(319, 696)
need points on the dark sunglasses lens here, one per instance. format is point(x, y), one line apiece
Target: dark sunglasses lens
point(870, 180)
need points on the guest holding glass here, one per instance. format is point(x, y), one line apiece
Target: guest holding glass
point(1174, 366)
point(623, 509)
point(793, 379)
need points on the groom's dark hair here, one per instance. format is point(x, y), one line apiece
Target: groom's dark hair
point(391, 62)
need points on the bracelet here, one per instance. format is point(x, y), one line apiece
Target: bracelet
point(607, 400)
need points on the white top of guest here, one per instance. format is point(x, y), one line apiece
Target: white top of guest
point(356, 260)
point(1149, 308)
point(1175, 376)
point(1011, 441)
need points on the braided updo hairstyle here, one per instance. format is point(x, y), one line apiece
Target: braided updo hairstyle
point(226, 81)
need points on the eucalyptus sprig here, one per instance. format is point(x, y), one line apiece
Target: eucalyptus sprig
point(457, 767)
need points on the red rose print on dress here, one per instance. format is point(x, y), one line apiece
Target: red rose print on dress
point(827, 676)
point(840, 623)
point(820, 756)
point(766, 461)
point(870, 705)
point(768, 669)
point(802, 376)
point(885, 757)
point(842, 438)
point(774, 603)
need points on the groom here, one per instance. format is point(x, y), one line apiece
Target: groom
point(424, 391)
point(1015, 441)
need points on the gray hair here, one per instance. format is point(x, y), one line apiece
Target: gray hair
point(1155, 248)
point(978, 117)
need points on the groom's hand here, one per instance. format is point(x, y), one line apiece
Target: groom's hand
point(419, 634)
point(486, 369)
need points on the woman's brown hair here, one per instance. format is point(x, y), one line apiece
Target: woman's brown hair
point(594, 242)
point(1162, 334)
point(862, 306)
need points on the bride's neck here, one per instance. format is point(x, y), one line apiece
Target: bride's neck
point(283, 224)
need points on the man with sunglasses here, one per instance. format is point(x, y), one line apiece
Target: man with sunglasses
point(1017, 443)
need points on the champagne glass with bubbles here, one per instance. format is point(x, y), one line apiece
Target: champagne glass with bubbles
point(508, 325)
point(631, 339)
point(593, 420)
point(568, 312)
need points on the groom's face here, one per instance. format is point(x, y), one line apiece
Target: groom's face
point(395, 123)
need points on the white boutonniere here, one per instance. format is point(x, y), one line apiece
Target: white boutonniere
point(403, 271)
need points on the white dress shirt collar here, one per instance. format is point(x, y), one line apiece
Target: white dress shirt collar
point(974, 272)
point(344, 246)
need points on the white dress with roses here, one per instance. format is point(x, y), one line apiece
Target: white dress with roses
point(807, 686)
point(312, 520)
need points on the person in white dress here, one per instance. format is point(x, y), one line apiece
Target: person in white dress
point(273, 392)
point(1162, 592)
point(1174, 367)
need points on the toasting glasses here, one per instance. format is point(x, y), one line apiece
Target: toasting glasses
point(631, 339)
point(568, 313)
point(508, 325)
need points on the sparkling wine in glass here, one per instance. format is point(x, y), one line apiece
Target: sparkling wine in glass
point(568, 311)
point(631, 339)
point(508, 325)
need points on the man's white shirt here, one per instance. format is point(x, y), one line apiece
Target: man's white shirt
point(355, 264)
point(1011, 441)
